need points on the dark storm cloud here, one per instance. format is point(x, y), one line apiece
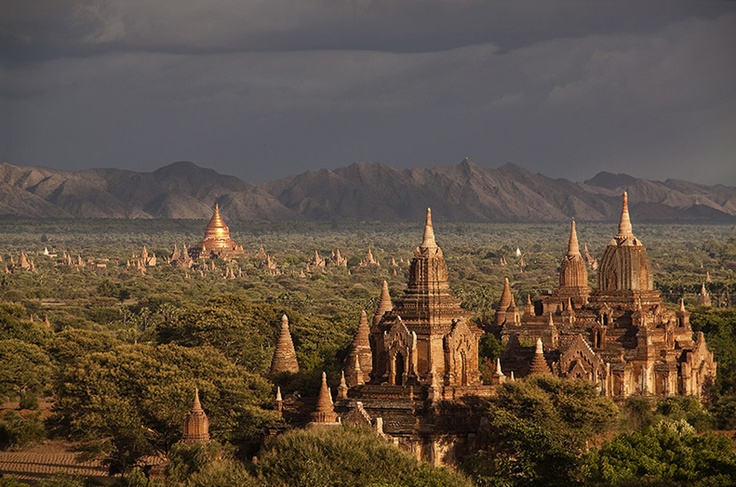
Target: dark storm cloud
point(265, 89)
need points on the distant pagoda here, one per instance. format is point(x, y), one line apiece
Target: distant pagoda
point(217, 241)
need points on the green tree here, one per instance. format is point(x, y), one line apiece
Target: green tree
point(538, 430)
point(24, 369)
point(131, 401)
point(670, 453)
point(344, 456)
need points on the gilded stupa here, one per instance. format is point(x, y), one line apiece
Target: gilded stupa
point(216, 241)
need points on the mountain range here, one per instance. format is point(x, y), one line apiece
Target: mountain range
point(361, 191)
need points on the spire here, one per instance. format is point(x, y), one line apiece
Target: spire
point(529, 306)
point(324, 411)
point(384, 304)
point(539, 364)
point(196, 407)
point(284, 357)
point(572, 246)
point(506, 297)
point(624, 226)
point(682, 305)
point(342, 389)
point(359, 362)
point(428, 240)
point(196, 426)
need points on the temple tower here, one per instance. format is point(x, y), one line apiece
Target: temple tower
point(625, 265)
point(216, 239)
point(360, 348)
point(504, 303)
point(426, 328)
point(196, 426)
point(324, 413)
point(284, 357)
point(573, 272)
point(539, 364)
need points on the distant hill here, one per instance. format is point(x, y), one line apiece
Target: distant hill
point(361, 191)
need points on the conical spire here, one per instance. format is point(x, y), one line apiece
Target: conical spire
point(624, 226)
point(539, 364)
point(428, 240)
point(196, 407)
point(284, 357)
point(384, 304)
point(196, 426)
point(682, 304)
point(324, 411)
point(359, 370)
point(572, 247)
point(216, 228)
point(506, 297)
point(703, 291)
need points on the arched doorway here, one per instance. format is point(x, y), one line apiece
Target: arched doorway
point(399, 369)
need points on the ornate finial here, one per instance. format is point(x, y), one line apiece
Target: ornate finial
point(624, 226)
point(428, 240)
point(572, 247)
point(196, 406)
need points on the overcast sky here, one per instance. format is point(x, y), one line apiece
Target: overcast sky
point(265, 89)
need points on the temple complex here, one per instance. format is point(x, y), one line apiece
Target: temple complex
point(619, 335)
point(196, 426)
point(216, 242)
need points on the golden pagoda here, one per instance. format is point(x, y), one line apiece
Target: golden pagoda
point(217, 241)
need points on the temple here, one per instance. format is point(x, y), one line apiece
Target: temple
point(421, 360)
point(196, 426)
point(216, 242)
point(619, 335)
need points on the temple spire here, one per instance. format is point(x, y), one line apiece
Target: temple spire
point(196, 426)
point(539, 364)
point(384, 304)
point(506, 297)
point(325, 410)
point(196, 406)
point(572, 247)
point(428, 240)
point(284, 357)
point(624, 226)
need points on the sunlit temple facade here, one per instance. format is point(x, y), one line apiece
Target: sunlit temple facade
point(216, 242)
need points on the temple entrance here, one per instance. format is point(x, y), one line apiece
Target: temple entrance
point(399, 369)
